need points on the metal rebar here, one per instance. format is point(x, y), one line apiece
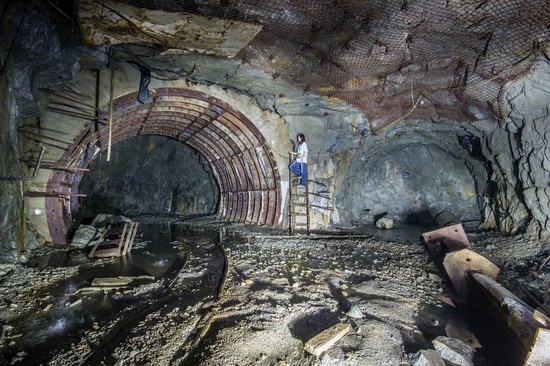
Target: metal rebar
point(35, 172)
point(110, 115)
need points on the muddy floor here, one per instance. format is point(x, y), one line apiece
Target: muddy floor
point(234, 295)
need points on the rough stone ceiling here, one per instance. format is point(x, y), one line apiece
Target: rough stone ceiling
point(390, 58)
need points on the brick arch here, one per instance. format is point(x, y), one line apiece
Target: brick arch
point(238, 154)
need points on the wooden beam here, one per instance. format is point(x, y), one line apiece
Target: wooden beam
point(326, 339)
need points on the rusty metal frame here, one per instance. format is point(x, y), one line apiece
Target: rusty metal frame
point(453, 237)
point(236, 150)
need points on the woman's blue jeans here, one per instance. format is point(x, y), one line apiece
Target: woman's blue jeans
point(300, 169)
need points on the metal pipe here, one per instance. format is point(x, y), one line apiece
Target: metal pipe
point(76, 100)
point(110, 115)
point(69, 113)
point(35, 172)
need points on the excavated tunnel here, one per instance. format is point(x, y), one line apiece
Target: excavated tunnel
point(239, 156)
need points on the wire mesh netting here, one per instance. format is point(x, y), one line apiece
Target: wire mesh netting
point(381, 55)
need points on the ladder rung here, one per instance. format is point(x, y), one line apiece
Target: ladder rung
point(299, 204)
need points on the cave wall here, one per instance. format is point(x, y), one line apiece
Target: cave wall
point(358, 175)
point(11, 197)
point(150, 175)
point(411, 173)
point(38, 49)
point(517, 149)
point(500, 177)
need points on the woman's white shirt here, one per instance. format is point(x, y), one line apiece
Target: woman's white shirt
point(302, 153)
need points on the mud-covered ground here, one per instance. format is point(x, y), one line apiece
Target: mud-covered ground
point(242, 296)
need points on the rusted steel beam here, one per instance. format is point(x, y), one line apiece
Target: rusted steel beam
point(148, 114)
point(523, 321)
point(223, 179)
point(58, 212)
point(453, 237)
point(201, 122)
point(460, 263)
point(474, 278)
point(53, 194)
point(244, 204)
point(250, 207)
point(256, 214)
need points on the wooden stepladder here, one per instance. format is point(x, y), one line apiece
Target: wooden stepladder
point(298, 213)
point(117, 246)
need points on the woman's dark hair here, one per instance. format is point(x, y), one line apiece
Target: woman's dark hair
point(301, 135)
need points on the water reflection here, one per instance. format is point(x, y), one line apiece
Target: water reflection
point(69, 312)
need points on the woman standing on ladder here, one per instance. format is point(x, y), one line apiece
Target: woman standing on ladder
point(299, 166)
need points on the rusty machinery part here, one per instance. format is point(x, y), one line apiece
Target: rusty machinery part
point(238, 154)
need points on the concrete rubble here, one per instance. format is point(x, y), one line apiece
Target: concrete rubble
point(454, 351)
point(427, 357)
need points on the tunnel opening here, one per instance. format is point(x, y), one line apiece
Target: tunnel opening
point(151, 175)
point(236, 151)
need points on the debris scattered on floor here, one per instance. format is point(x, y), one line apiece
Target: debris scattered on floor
point(454, 351)
point(385, 223)
point(324, 340)
point(116, 241)
point(115, 283)
point(280, 293)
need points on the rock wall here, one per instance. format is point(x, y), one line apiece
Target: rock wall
point(37, 50)
point(11, 197)
point(150, 175)
point(517, 149)
point(38, 56)
point(411, 174)
point(496, 172)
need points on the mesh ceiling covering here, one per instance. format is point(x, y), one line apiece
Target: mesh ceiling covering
point(382, 56)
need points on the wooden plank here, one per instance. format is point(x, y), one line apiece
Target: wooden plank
point(128, 238)
point(133, 236)
point(326, 339)
point(92, 252)
point(122, 237)
point(104, 253)
point(92, 289)
point(112, 281)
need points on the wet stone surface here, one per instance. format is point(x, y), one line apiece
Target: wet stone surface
point(292, 289)
point(235, 295)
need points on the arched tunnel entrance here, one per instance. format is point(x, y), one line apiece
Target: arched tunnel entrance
point(149, 176)
point(238, 154)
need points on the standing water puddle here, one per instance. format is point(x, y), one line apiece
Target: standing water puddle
point(67, 313)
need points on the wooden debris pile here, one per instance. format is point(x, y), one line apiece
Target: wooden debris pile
point(116, 241)
point(115, 283)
